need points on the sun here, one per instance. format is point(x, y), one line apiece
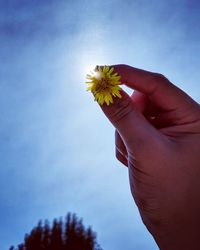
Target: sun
point(88, 68)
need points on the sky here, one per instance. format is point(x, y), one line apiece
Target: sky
point(57, 150)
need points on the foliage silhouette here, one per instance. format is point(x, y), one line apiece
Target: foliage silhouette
point(68, 235)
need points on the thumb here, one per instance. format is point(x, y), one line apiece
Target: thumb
point(174, 105)
point(134, 129)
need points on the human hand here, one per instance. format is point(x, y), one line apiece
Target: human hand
point(158, 138)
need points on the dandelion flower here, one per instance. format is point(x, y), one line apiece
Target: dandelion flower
point(104, 84)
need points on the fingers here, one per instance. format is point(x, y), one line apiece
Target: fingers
point(158, 88)
point(121, 158)
point(139, 100)
point(169, 105)
point(121, 152)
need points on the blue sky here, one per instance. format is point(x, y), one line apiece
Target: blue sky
point(56, 147)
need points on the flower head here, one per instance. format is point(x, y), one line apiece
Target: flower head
point(104, 84)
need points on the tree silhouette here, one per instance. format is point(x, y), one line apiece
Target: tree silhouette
point(46, 235)
point(56, 236)
point(68, 235)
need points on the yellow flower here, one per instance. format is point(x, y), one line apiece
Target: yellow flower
point(104, 84)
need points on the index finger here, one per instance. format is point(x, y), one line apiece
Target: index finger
point(157, 87)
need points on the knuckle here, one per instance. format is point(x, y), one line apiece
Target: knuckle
point(159, 81)
point(160, 78)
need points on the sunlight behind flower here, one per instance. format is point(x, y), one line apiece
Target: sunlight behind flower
point(88, 67)
point(88, 58)
point(104, 83)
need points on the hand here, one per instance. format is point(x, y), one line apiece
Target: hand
point(158, 138)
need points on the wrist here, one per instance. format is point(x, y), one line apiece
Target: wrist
point(173, 236)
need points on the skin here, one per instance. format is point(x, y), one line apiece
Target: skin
point(158, 139)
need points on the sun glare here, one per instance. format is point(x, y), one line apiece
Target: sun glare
point(88, 62)
point(88, 68)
